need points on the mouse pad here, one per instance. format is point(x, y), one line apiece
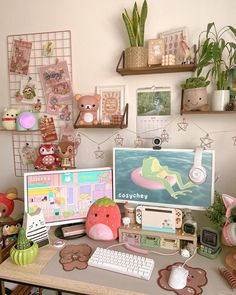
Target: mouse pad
point(196, 279)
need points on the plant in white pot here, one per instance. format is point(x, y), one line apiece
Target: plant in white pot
point(216, 52)
point(136, 55)
point(195, 94)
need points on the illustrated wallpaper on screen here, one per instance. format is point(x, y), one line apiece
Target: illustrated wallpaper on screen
point(66, 196)
point(162, 177)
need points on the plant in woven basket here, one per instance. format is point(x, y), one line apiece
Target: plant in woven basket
point(136, 55)
point(24, 251)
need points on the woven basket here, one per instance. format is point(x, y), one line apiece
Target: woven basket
point(136, 57)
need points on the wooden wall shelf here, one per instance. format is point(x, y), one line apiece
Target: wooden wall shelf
point(158, 69)
point(122, 125)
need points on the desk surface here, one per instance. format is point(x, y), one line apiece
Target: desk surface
point(47, 272)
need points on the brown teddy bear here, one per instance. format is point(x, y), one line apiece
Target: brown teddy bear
point(88, 106)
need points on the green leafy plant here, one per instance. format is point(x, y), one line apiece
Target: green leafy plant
point(195, 82)
point(216, 212)
point(135, 24)
point(216, 53)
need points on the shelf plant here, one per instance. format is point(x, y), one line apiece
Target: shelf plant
point(195, 94)
point(136, 54)
point(24, 251)
point(216, 53)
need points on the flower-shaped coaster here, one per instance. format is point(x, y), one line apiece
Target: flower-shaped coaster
point(75, 256)
point(196, 279)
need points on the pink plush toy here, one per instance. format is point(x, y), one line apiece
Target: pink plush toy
point(103, 220)
point(88, 106)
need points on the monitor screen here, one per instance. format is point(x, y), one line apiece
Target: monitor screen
point(65, 196)
point(176, 178)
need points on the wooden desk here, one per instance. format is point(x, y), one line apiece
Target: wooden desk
point(100, 282)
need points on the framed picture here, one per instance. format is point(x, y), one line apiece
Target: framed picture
point(173, 39)
point(163, 177)
point(112, 101)
point(156, 48)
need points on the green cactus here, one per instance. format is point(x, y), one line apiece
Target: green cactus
point(135, 25)
point(22, 241)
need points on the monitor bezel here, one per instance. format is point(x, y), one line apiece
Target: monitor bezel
point(62, 222)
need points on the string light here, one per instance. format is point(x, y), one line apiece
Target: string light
point(182, 125)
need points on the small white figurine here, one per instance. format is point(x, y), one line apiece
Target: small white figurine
point(126, 221)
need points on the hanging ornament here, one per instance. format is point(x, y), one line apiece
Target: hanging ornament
point(234, 139)
point(138, 142)
point(165, 136)
point(119, 140)
point(206, 141)
point(182, 125)
point(99, 154)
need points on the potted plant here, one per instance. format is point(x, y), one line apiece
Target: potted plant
point(136, 55)
point(24, 251)
point(217, 54)
point(195, 94)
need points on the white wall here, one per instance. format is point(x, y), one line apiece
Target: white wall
point(98, 38)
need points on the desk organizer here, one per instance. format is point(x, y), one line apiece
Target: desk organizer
point(135, 236)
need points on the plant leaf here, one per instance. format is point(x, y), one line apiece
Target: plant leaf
point(129, 28)
point(143, 18)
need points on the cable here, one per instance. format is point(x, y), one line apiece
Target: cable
point(190, 257)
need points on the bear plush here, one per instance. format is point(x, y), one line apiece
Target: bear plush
point(88, 106)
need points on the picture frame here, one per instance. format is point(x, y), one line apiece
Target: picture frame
point(156, 49)
point(172, 39)
point(131, 186)
point(112, 101)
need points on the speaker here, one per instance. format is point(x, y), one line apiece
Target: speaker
point(197, 173)
point(229, 229)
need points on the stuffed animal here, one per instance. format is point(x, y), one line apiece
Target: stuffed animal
point(9, 119)
point(103, 220)
point(66, 152)
point(88, 106)
point(7, 204)
point(47, 158)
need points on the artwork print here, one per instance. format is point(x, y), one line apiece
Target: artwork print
point(20, 57)
point(162, 177)
point(29, 90)
point(56, 83)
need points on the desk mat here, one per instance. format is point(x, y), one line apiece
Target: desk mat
point(196, 279)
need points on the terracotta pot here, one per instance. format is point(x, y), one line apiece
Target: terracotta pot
point(136, 57)
point(23, 257)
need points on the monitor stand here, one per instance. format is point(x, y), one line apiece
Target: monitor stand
point(70, 231)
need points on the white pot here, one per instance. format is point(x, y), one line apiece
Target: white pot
point(220, 98)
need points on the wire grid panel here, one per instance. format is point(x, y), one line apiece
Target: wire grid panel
point(61, 41)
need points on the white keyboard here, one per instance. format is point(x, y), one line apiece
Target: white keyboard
point(121, 262)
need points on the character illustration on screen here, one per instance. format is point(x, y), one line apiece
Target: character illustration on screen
point(153, 175)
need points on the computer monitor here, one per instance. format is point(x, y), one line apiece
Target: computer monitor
point(176, 178)
point(65, 196)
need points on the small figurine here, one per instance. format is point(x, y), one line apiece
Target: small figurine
point(88, 106)
point(9, 119)
point(47, 158)
point(66, 152)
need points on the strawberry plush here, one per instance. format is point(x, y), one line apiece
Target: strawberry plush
point(103, 220)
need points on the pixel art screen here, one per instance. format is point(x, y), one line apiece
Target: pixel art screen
point(65, 196)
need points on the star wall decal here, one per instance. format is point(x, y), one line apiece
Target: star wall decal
point(182, 125)
point(165, 136)
point(99, 154)
point(206, 141)
point(138, 142)
point(119, 140)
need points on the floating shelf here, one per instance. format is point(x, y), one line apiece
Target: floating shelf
point(157, 69)
point(122, 125)
point(206, 113)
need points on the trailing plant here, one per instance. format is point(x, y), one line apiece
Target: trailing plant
point(216, 53)
point(135, 24)
point(216, 212)
point(22, 241)
point(195, 82)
